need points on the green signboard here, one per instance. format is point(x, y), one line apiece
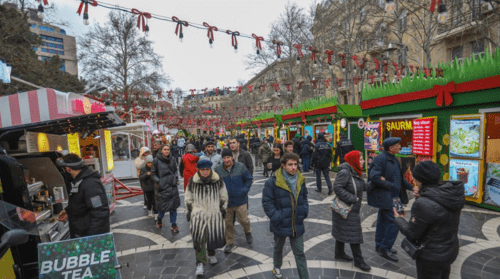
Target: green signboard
point(80, 258)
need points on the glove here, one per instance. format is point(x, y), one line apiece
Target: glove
point(188, 216)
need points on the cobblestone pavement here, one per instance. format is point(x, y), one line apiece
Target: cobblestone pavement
point(160, 253)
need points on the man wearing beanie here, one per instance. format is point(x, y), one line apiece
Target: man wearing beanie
point(388, 181)
point(435, 218)
point(238, 181)
point(148, 185)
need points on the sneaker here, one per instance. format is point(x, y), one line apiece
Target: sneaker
point(277, 273)
point(228, 248)
point(200, 269)
point(174, 228)
point(150, 213)
point(212, 259)
point(159, 224)
point(249, 238)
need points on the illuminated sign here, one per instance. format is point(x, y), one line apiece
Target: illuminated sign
point(85, 106)
point(43, 143)
point(74, 144)
point(109, 150)
point(399, 125)
point(423, 136)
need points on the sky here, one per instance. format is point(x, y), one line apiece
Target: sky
point(192, 64)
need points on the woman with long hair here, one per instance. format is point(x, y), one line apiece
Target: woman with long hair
point(274, 162)
point(166, 192)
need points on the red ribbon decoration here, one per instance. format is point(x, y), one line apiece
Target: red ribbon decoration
point(192, 91)
point(216, 90)
point(433, 5)
point(427, 71)
point(250, 88)
point(385, 65)
point(288, 86)
point(239, 88)
point(263, 87)
point(315, 83)
point(299, 49)
point(396, 69)
point(313, 53)
point(210, 31)
point(377, 64)
point(234, 41)
point(329, 53)
point(443, 92)
point(356, 79)
point(339, 82)
point(355, 58)
point(179, 24)
point(142, 17)
point(227, 89)
point(300, 84)
point(342, 56)
point(276, 86)
point(45, 2)
point(371, 79)
point(257, 41)
point(278, 47)
point(327, 82)
point(86, 3)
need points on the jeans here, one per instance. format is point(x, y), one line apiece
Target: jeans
point(297, 245)
point(432, 270)
point(355, 249)
point(326, 174)
point(306, 162)
point(173, 216)
point(386, 231)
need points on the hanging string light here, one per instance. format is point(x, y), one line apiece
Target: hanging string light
point(210, 33)
point(234, 40)
point(40, 8)
point(257, 42)
point(278, 48)
point(299, 52)
point(85, 3)
point(142, 20)
point(178, 28)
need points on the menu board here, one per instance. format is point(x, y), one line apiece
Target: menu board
point(372, 135)
point(466, 137)
point(467, 171)
point(423, 136)
point(492, 186)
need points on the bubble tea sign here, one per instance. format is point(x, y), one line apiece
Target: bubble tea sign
point(86, 257)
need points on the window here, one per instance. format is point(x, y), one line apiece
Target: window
point(478, 48)
point(32, 25)
point(44, 28)
point(62, 31)
point(34, 48)
point(379, 33)
point(457, 53)
point(402, 21)
point(456, 13)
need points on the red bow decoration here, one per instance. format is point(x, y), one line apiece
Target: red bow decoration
point(257, 42)
point(276, 86)
point(45, 2)
point(315, 83)
point(263, 87)
point(443, 92)
point(427, 71)
point(418, 69)
point(227, 89)
point(300, 84)
point(313, 53)
point(288, 86)
point(327, 82)
point(210, 32)
point(377, 64)
point(339, 82)
point(216, 90)
point(356, 79)
point(192, 91)
point(342, 56)
point(179, 26)
point(355, 58)
point(141, 18)
point(364, 63)
point(86, 3)
point(329, 53)
point(371, 79)
point(239, 88)
point(278, 47)
point(433, 5)
point(250, 88)
point(234, 41)
point(299, 49)
point(396, 66)
point(384, 78)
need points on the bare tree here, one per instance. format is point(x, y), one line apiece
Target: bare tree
point(50, 12)
point(118, 56)
point(177, 97)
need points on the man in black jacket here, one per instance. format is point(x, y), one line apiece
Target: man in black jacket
point(88, 209)
point(344, 146)
point(296, 144)
point(243, 142)
point(323, 157)
point(241, 155)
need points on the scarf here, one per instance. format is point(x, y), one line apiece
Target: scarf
point(207, 179)
point(352, 158)
point(291, 181)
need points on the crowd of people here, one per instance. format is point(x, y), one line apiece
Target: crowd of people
point(218, 176)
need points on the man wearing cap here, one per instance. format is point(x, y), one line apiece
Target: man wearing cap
point(88, 209)
point(238, 181)
point(323, 157)
point(210, 155)
point(387, 178)
point(148, 184)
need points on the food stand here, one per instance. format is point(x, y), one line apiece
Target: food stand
point(453, 121)
point(127, 141)
point(48, 125)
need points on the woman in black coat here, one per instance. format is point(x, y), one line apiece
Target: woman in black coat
point(435, 218)
point(275, 159)
point(166, 191)
point(174, 150)
point(349, 230)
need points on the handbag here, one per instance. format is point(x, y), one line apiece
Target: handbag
point(341, 207)
point(413, 249)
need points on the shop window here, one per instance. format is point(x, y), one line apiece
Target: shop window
point(477, 48)
point(457, 53)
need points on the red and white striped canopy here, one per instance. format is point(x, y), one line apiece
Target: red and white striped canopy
point(43, 105)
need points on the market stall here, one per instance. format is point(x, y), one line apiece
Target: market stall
point(127, 141)
point(453, 121)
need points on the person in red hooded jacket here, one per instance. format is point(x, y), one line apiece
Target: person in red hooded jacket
point(187, 167)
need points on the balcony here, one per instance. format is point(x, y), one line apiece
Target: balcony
point(458, 31)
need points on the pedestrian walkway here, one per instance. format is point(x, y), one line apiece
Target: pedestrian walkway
point(160, 253)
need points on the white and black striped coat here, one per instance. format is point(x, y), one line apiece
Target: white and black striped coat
point(204, 202)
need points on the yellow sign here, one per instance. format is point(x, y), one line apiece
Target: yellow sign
point(109, 150)
point(74, 144)
point(399, 125)
point(43, 143)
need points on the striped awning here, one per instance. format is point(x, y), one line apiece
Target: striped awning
point(44, 105)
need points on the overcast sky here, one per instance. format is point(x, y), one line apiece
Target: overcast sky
point(192, 64)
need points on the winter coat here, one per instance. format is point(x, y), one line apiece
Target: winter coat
point(88, 208)
point(348, 230)
point(139, 161)
point(296, 146)
point(216, 159)
point(174, 150)
point(344, 146)
point(204, 202)
point(386, 165)
point(246, 159)
point(307, 148)
point(147, 181)
point(256, 145)
point(243, 144)
point(275, 162)
point(323, 154)
point(188, 167)
point(238, 181)
point(435, 218)
point(166, 191)
point(265, 152)
point(287, 213)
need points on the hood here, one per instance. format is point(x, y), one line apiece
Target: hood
point(321, 136)
point(87, 172)
point(346, 166)
point(197, 178)
point(450, 194)
point(309, 138)
point(191, 158)
point(143, 149)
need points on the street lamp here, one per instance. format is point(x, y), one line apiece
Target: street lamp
point(442, 14)
point(389, 5)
